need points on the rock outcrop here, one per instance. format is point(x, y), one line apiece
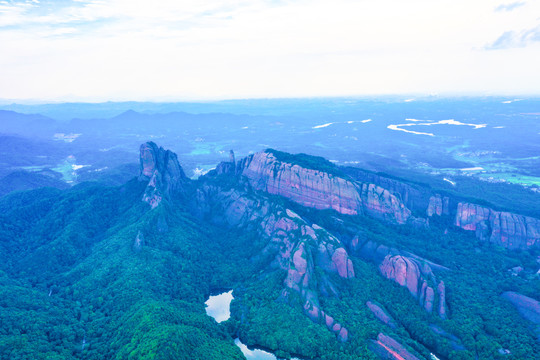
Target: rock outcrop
point(528, 307)
point(455, 342)
point(381, 314)
point(389, 349)
point(160, 168)
point(417, 278)
point(292, 245)
point(319, 189)
point(438, 205)
point(415, 197)
point(506, 229)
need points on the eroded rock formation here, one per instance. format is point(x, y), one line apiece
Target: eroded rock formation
point(292, 245)
point(320, 190)
point(528, 307)
point(438, 205)
point(381, 314)
point(160, 168)
point(506, 229)
point(389, 349)
point(416, 278)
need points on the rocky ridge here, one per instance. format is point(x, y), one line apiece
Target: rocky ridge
point(320, 190)
point(417, 278)
point(234, 196)
point(506, 229)
point(293, 245)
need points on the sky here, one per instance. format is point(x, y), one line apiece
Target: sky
point(95, 50)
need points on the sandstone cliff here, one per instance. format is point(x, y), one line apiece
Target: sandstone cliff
point(160, 168)
point(408, 270)
point(319, 189)
point(418, 279)
point(414, 196)
point(438, 205)
point(502, 228)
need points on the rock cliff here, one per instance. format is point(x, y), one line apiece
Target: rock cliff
point(502, 228)
point(160, 168)
point(389, 349)
point(438, 205)
point(417, 278)
point(320, 189)
point(414, 196)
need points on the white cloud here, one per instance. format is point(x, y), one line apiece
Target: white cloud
point(120, 49)
point(510, 6)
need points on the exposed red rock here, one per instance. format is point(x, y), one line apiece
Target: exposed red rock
point(408, 272)
point(402, 270)
point(320, 190)
point(506, 229)
point(389, 349)
point(294, 245)
point(441, 290)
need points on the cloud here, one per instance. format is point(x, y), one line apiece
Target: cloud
point(515, 39)
point(189, 49)
point(510, 7)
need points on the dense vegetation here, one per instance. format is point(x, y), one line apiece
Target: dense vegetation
point(76, 283)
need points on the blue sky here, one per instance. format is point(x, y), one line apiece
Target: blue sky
point(100, 50)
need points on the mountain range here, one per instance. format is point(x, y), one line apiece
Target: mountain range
point(325, 262)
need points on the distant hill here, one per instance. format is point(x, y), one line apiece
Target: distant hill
point(35, 125)
point(21, 180)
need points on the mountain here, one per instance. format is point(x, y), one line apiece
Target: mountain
point(24, 180)
point(35, 125)
point(324, 262)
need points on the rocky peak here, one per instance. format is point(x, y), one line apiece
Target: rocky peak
point(160, 168)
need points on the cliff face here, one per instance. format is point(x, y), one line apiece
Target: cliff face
point(502, 228)
point(438, 205)
point(417, 278)
point(408, 270)
point(160, 168)
point(320, 190)
point(413, 196)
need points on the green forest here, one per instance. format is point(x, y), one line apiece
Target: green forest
point(93, 273)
